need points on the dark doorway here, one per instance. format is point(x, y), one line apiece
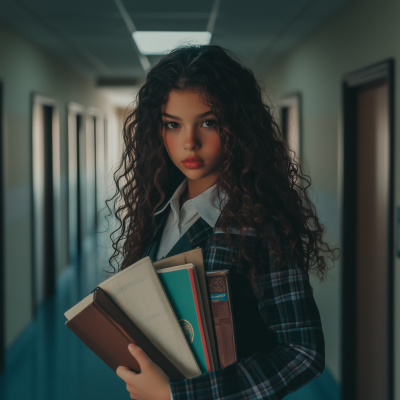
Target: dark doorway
point(100, 166)
point(367, 248)
point(45, 180)
point(76, 161)
point(290, 115)
point(2, 272)
point(92, 128)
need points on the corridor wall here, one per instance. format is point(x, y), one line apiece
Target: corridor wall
point(362, 34)
point(26, 69)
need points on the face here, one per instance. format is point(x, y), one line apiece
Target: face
point(190, 136)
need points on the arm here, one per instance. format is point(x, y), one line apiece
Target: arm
point(288, 308)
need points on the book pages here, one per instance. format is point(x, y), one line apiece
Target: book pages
point(77, 308)
point(138, 292)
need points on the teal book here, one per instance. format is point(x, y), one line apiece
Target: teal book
point(182, 291)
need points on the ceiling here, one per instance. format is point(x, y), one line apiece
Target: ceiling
point(93, 37)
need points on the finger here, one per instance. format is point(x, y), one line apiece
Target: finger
point(124, 373)
point(130, 388)
point(140, 355)
point(120, 369)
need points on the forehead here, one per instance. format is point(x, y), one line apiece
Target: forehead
point(185, 103)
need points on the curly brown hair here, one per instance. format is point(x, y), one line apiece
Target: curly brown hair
point(267, 191)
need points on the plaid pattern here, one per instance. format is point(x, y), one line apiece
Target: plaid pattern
point(288, 309)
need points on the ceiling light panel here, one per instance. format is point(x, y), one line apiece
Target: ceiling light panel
point(153, 42)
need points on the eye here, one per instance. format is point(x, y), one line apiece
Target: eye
point(209, 123)
point(171, 125)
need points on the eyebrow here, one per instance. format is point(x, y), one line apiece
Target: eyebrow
point(198, 116)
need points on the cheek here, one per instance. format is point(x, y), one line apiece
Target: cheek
point(171, 145)
point(214, 145)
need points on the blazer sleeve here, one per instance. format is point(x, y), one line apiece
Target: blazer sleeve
point(288, 308)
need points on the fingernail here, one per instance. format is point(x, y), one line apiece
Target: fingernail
point(132, 346)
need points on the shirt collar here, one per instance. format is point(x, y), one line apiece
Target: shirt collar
point(201, 203)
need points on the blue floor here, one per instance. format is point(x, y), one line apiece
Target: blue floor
point(48, 362)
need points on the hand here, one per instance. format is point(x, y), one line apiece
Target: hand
point(150, 384)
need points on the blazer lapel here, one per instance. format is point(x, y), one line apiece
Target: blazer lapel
point(160, 220)
point(196, 234)
point(199, 232)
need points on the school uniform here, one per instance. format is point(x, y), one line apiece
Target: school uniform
point(280, 344)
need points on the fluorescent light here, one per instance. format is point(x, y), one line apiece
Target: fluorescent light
point(162, 42)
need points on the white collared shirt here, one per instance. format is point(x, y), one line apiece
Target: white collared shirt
point(204, 205)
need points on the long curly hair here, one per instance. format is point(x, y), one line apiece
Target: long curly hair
point(267, 191)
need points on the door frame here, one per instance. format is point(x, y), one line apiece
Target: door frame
point(44, 100)
point(289, 100)
point(98, 125)
point(380, 72)
point(74, 227)
point(2, 239)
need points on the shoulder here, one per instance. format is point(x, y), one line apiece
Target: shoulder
point(221, 250)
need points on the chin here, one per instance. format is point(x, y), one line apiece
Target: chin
point(195, 174)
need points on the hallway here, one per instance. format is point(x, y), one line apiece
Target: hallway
point(48, 362)
point(70, 72)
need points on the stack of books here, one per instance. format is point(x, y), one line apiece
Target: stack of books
point(179, 315)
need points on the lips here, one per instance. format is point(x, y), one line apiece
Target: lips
point(193, 162)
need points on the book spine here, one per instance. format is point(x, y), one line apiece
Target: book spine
point(203, 337)
point(223, 321)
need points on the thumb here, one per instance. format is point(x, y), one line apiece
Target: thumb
point(140, 355)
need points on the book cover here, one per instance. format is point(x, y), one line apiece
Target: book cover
point(218, 283)
point(107, 331)
point(180, 287)
point(195, 257)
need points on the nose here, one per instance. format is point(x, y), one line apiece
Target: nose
point(191, 140)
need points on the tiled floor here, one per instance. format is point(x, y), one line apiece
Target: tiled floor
point(48, 362)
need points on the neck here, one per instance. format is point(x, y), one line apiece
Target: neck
point(196, 187)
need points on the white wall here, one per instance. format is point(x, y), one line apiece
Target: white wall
point(364, 33)
point(26, 69)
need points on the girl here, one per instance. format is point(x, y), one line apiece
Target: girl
point(204, 165)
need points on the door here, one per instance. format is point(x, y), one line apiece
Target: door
point(100, 167)
point(290, 110)
point(75, 176)
point(368, 235)
point(2, 267)
point(92, 128)
point(372, 238)
point(45, 196)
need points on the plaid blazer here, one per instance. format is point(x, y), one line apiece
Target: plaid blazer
point(280, 342)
